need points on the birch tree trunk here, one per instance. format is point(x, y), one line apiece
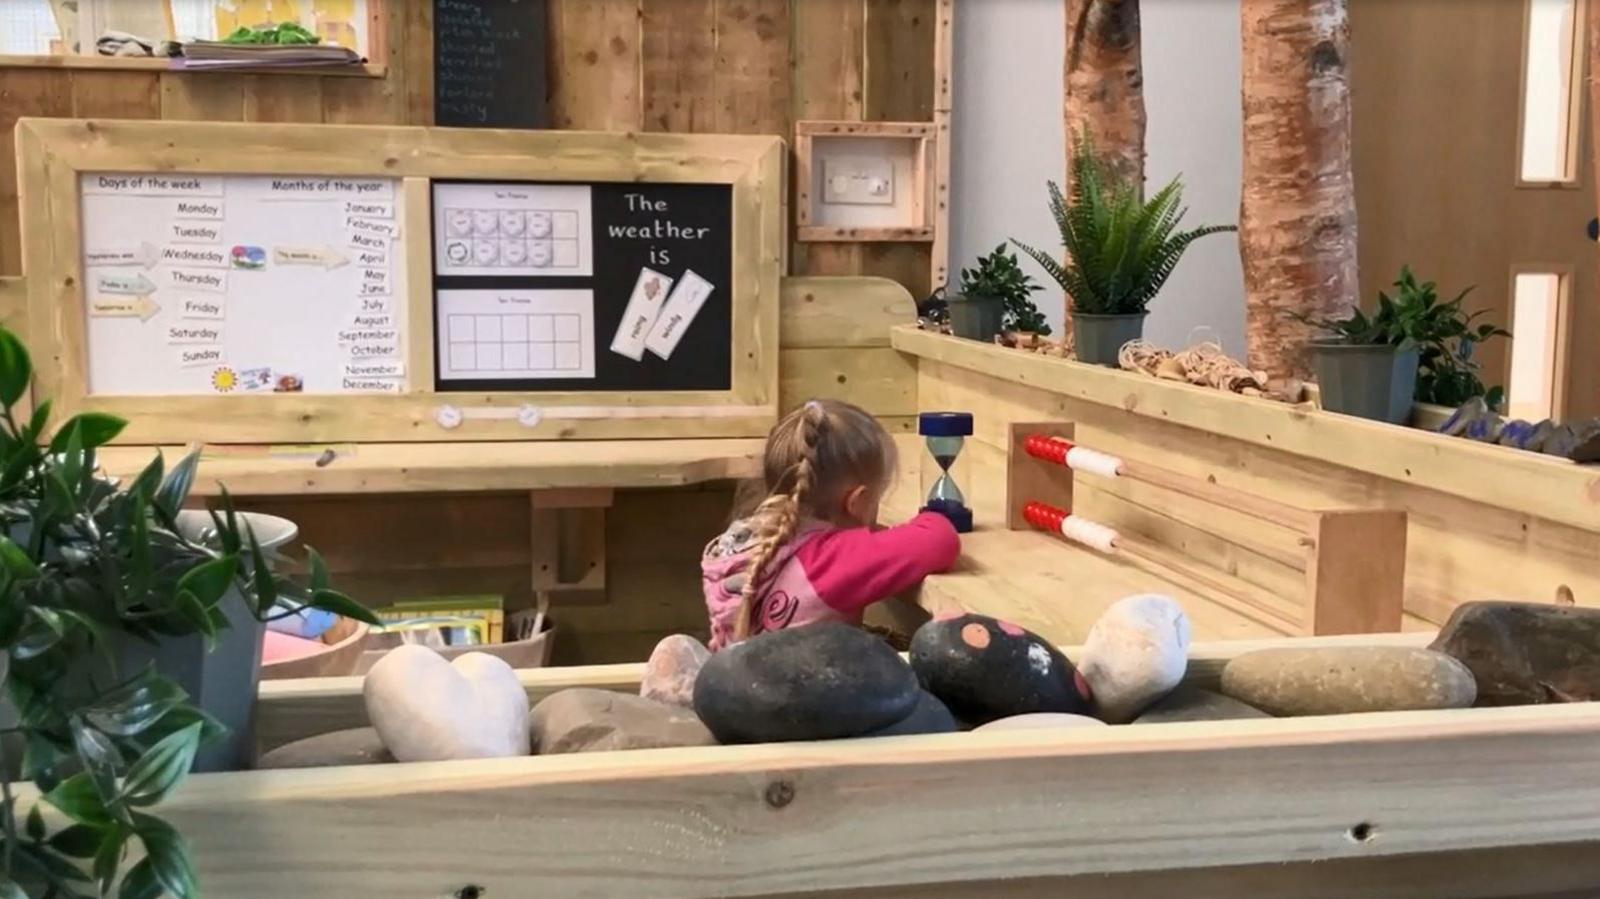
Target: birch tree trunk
point(1104, 83)
point(1297, 217)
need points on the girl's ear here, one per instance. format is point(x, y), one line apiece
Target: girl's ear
point(860, 505)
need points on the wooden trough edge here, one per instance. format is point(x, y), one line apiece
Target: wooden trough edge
point(292, 710)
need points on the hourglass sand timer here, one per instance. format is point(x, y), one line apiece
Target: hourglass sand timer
point(946, 433)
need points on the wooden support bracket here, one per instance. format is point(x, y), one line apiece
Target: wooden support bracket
point(569, 540)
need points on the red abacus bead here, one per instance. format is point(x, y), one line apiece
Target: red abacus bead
point(1049, 449)
point(1043, 516)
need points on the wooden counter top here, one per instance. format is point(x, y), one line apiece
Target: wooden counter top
point(453, 467)
point(1543, 486)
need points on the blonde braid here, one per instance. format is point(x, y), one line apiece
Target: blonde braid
point(779, 515)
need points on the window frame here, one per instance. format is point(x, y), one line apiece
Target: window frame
point(1573, 176)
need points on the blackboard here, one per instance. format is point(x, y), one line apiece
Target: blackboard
point(489, 63)
point(635, 231)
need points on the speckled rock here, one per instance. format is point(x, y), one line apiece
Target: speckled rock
point(357, 746)
point(1340, 679)
point(1136, 652)
point(1195, 704)
point(1525, 653)
point(985, 669)
point(585, 720)
point(823, 681)
point(1041, 721)
point(670, 673)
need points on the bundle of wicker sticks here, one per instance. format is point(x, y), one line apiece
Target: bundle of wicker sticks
point(1207, 365)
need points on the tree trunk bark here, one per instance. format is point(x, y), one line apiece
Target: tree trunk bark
point(1297, 216)
point(1104, 82)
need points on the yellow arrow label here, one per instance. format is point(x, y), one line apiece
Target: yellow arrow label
point(141, 307)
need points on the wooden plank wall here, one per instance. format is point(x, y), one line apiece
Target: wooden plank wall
point(699, 66)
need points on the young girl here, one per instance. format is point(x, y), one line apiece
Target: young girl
point(812, 551)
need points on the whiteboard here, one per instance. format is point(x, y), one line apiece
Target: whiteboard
point(205, 285)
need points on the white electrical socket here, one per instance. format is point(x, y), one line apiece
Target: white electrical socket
point(858, 181)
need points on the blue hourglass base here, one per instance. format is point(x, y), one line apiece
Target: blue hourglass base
point(958, 514)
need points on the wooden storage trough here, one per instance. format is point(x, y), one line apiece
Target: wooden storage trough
point(1473, 802)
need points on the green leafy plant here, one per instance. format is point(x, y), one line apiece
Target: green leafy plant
point(1445, 335)
point(87, 565)
point(286, 33)
point(998, 275)
point(1120, 248)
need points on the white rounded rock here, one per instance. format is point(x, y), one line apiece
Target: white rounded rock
point(1041, 721)
point(1135, 654)
point(426, 709)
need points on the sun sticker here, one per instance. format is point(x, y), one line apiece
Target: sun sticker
point(224, 380)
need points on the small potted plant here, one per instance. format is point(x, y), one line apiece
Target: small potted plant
point(993, 295)
point(105, 589)
point(1373, 367)
point(1120, 251)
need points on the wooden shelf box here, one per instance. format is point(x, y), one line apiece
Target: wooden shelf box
point(885, 171)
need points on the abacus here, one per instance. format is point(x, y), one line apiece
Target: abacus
point(1353, 559)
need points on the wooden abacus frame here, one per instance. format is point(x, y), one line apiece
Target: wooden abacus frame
point(1354, 559)
point(53, 153)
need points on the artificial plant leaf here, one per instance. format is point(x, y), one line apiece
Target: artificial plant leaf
point(35, 826)
point(149, 481)
point(175, 489)
point(98, 754)
point(16, 369)
point(9, 889)
point(339, 604)
point(168, 855)
point(319, 569)
point(264, 585)
point(94, 429)
point(37, 421)
point(135, 706)
point(74, 460)
point(190, 609)
point(77, 798)
point(141, 882)
point(108, 856)
point(78, 840)
point(15, 560)
point(161, 768)
point(50, 866)
point(41, 632)
point(209, 581)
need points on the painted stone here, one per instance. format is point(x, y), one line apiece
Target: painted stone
point(1340, 679)
point(928, 716)
point(823, 681)
point(427, 709)
point(585, 720)
point(357, 746)
point(1195, 704)
point(985, 669)
point(673, 666)
point(1136, 652)
point(1040, 721)
point(1525, 653)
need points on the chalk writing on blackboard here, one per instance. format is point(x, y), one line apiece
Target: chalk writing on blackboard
point(489, 63)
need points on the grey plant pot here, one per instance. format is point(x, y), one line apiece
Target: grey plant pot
point(1375, 382)
point(976, 317)
point(221, 682)
point(1099, 338)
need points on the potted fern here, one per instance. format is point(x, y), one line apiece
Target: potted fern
point(1120, 251)
point(108, 593)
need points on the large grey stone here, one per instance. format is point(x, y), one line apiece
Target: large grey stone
point(1195, 704)
point(823, 681)
point(1041, 721)
point(1523, 653)
point(585, 720)
point(1340, 679)
point(357, 746)
point(1136, 652)
point(985, 669)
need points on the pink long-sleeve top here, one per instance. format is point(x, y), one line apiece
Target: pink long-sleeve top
point(824, 573)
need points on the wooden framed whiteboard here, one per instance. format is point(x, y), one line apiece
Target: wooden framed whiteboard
point(246, 283)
